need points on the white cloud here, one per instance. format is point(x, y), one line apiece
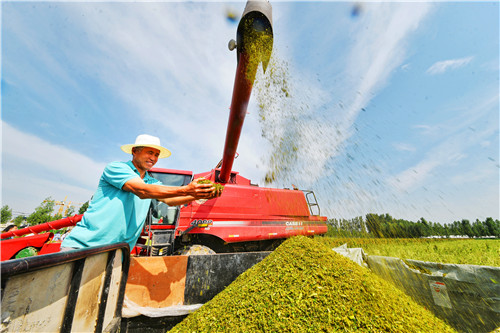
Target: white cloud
point(413, 176)
point(485, 144)
point(378, 51)
point(450, 144)
point(34, 169)
point(405, 67)
point(404, 147)
point(379, 48)
point(426, 129)
point(442, 66)
point(177, 77)
point(482, 172)
point(382, 48)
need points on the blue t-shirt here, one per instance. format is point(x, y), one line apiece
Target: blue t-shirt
point(113, 215)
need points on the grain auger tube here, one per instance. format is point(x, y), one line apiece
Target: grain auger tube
point(254, 44)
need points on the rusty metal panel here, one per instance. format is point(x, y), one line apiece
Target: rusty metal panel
point(114, 289)
point(87, 305)
point(35, 301)
point(156, 282)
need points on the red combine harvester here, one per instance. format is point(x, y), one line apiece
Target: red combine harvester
point(245, 217)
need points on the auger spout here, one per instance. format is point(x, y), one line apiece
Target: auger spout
point(254, 43)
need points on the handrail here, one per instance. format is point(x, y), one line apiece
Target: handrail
point(312, 202)
point(24, 265)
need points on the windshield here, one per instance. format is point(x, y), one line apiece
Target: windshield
point(172, 179)
point(162, 214)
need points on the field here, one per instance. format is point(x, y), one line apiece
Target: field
point(484, 252)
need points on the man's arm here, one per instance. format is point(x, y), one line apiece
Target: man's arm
point(190, 192)
point(177, 201)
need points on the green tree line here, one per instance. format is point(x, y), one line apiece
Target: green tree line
point(373, 225)
point(385, 226)
point(43, 213)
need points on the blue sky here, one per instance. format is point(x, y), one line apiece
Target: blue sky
point(393, 109)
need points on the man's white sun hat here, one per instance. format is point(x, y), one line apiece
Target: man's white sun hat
point(145, 140)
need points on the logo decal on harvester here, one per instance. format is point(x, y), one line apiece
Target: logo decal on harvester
point(293, 222)
point(202, 223)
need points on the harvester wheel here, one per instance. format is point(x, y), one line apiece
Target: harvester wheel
point(195, 250)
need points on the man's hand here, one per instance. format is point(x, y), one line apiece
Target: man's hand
point(203, 190)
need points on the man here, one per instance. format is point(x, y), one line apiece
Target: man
point(10, 227)
point(120, 204)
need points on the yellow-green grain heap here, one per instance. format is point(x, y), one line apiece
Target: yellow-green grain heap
point(218, 187)
point(304, 286)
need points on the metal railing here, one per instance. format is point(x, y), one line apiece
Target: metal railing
point(312, 202)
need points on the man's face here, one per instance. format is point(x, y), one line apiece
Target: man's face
point(145, 158)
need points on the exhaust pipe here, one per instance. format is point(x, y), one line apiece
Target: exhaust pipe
point(254, 43)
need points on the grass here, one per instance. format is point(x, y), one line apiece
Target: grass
point(484, 252)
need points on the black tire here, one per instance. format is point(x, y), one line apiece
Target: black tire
point(194, 250)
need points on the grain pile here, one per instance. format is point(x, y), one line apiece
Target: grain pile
point(304, 286)
point(218, 187)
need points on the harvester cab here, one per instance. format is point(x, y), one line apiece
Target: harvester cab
point(162, 220)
